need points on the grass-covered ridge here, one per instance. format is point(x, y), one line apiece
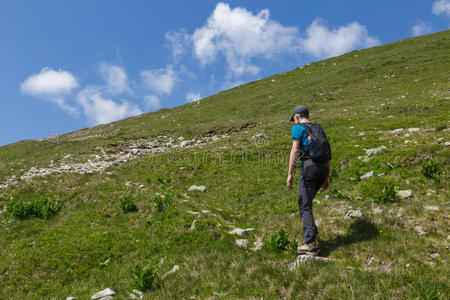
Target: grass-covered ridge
point(96, 238)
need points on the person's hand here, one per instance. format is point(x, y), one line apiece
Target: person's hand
point(326, 184)
point(289, 181)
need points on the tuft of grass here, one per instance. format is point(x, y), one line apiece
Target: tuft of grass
point(161, 201)
point(127, 204)
point(431, 170)
point(146, 278)
point(387, 194)
point(41, 207)
point(279, 241)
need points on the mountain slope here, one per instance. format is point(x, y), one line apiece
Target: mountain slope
point(359, 98)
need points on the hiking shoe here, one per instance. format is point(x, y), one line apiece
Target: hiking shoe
point(311, 249)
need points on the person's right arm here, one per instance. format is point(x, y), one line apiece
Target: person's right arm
point(326, 184)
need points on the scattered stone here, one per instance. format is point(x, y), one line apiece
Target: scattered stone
point(408, 265)
point(135, 151)
point(377, 210)
point(193, 213)
point(434, 255)
point(400, 212)
point(327, 197)
point(432, 208)
point(104, 293)
point(390, 166)
point(367, 175)
point(171, 271)
point(205, 211)
point(200, 188)
point(429, 263)
point(305, 258)
point(405, 194)
point(161, 262)
point(397, 130)
point(419, 230)
point(375, 151)
point(413, 129)
point(353, 214)
point(273, 80)
point(260, 136)
point(192, 225)
point(258, 246)
point(242, 242)
point(71, 298)
point(185, 144)
point(241, 232)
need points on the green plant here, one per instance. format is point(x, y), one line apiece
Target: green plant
point(426, 293)
point(387, 194)
point(279, 241)
point(161, 201)
point(432, 170)
point(41, 207)
point(145, 278)
point(164, 180)
point(127, 204)
point(148, 222)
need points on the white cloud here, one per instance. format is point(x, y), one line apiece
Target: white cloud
point(178, 43)
point(160, 81)
point(116, 78)
point(100, 110)
point(441, 7)
point(240, 36)
point(421, 28)
point(322, 42)
point(51, 85)
point(152, 102)
point(49, 82)
point(192, 96)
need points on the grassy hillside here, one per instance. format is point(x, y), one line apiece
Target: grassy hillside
point(398, 248)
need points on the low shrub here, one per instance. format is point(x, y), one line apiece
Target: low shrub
point(387, 194)
point(431, 169)
point(41, 207)
point(127, 204)
point(146, 278)
point(279, 241)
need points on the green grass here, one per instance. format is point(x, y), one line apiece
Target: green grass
point(91, 244)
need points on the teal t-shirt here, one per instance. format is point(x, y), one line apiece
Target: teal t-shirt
point(299, 133)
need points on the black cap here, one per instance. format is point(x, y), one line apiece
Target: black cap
point(302, 110)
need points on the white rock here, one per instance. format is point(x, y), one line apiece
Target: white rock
point(353, 214)
point(242, 242)
point(259, 136)
point(193, 225)
point(432, 207)
point(419, 230)
point(397, 130)
point(375, 151)
point(104, 293)
point(377, 210)
point(413, 129)
point(241, 232)
point(435, 255)
point(305, 258)
point(205, 211)
point(367, 175)
point(185, 144)
point(193, 213)
point(71, 298)
point(200, 188)
point(405, 194)
point(327, 197)
point(273, 80)
point(171, 271)
point(258, 246)
point(135, 151)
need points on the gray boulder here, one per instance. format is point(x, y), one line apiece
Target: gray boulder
point(375, 151)
point(200, 188)
point(353, 214)
point(242, 242)
point(241, 232)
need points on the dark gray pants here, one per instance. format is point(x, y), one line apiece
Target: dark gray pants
point(312, 177)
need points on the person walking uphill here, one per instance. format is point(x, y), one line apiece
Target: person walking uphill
point(311, 142)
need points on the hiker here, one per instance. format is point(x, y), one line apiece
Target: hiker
point(311, 142)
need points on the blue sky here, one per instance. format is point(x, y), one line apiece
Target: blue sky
point(67, 65)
